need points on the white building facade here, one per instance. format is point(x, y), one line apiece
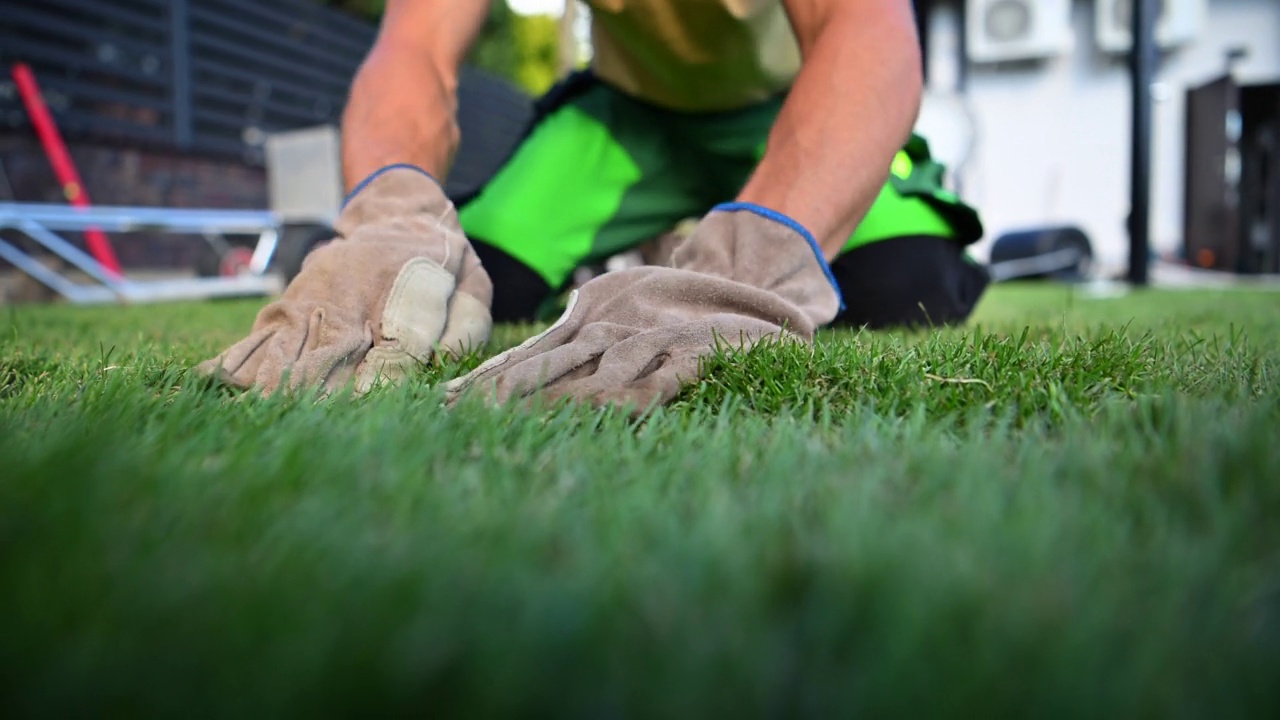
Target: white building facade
point(1047, 141)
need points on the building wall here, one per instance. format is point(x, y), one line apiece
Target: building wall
point(1048, 142)
point(117, 175)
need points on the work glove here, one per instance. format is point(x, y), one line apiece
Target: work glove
point(634, 337)
point(399, 283)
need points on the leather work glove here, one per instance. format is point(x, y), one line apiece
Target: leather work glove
point(636, 336)
point(399, 283)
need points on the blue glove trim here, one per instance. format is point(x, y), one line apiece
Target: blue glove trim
point(778, 217)
point(396, 166)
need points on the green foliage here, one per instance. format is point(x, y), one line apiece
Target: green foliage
point(537, 42)
point(1067, 509)
point(495, 50)
point(519, 48)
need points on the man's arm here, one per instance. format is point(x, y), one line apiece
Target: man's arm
point(404, 97)
point(850, 110)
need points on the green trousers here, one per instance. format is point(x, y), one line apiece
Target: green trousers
point(602, 172)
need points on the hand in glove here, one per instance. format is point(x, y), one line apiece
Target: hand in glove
point(636, 336)
point(399, 283)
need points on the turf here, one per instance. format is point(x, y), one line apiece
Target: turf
point(1068, 508)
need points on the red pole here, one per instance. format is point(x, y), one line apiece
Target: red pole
point(63, 167)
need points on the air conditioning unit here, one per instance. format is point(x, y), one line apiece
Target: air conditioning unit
point(1177, 23)
point(1004, 30)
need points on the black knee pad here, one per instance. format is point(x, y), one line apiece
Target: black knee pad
point(910, 281)
point(518, 291)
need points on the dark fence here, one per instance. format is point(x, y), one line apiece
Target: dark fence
point(208, 77)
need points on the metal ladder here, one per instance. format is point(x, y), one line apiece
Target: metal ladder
point(41, 222)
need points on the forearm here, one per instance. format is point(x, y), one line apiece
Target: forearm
point(404, 97)
point(851, 109)
point(401, 110)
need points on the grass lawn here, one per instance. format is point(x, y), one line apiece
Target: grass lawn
point(1069, 508)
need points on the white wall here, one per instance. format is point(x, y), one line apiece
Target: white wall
point(1049, 142)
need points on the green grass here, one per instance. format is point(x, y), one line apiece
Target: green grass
point(1069, 508)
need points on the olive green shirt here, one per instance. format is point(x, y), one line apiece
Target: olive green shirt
point(695, 55)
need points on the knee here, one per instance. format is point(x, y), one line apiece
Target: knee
point(518, 291)
point(913, 281)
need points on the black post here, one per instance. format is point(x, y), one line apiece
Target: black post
point(923, 13)
point(962, 49)
point(962, 89)
point(1142, 67)
point(180, 72)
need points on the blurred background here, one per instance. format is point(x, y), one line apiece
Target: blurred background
point(173, 104)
